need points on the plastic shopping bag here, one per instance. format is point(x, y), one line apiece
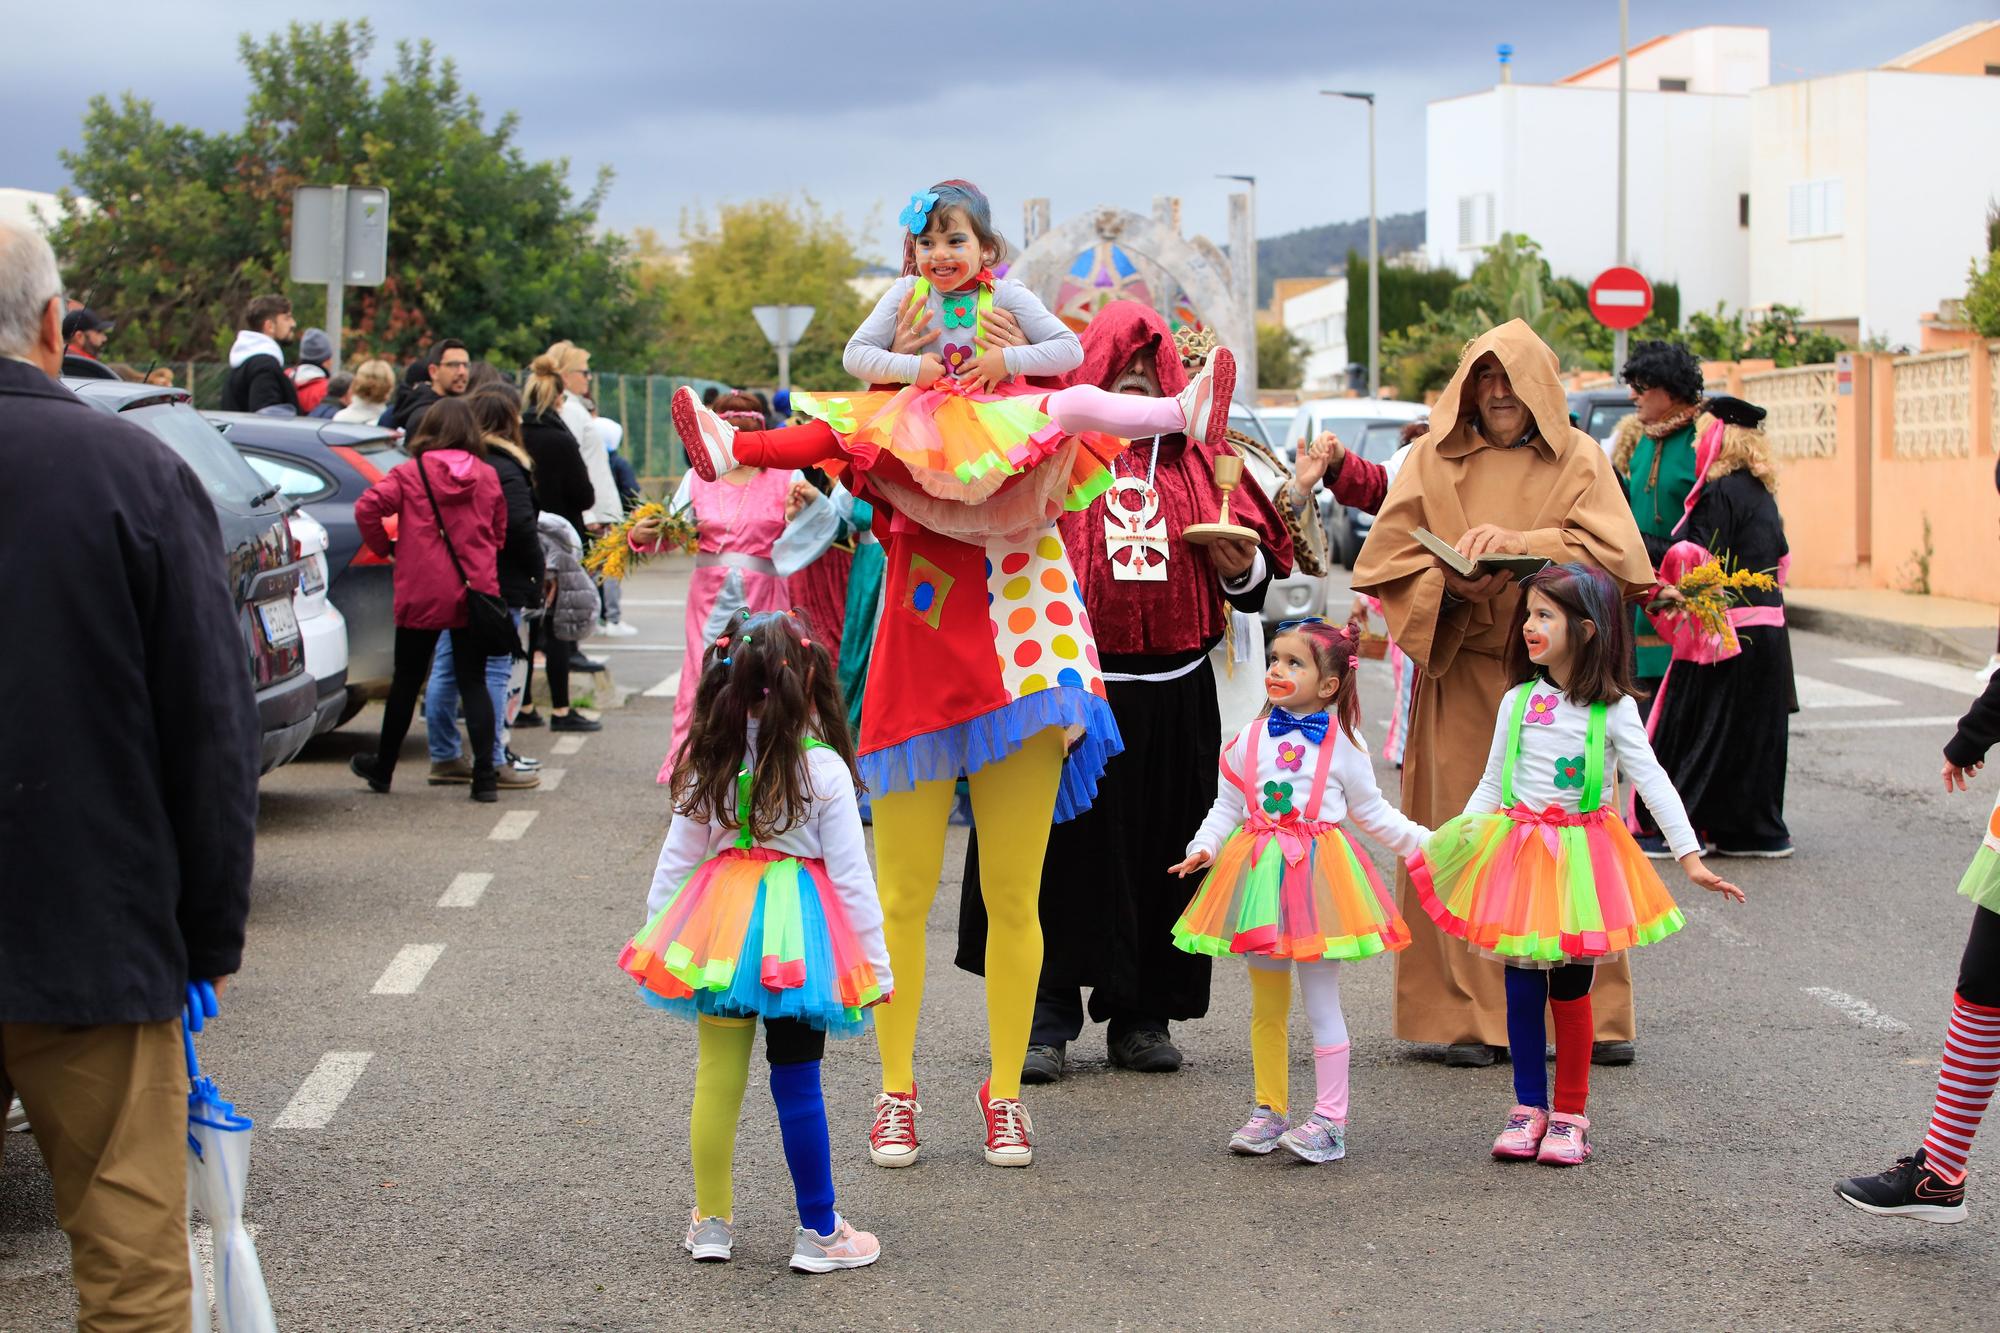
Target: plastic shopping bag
point(218, 1169)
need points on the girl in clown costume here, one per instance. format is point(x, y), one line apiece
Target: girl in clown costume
point(1288, 890)
point(984, 662)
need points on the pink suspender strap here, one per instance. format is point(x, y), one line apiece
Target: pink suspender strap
point(1320, 772)
point(1247, 780)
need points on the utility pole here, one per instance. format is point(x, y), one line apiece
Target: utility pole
point(1374, 254)
point(1624, 41)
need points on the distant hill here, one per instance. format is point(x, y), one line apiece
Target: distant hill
point(1320, 250)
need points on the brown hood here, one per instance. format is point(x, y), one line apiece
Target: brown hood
point(1530, 365)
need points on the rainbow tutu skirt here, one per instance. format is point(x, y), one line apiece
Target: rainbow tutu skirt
point(958, 443)
point(1982, 877)
point(1539, 889)
point(755, 934)
point(1291, 889)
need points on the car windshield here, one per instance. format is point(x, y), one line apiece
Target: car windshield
point(203, 448)
point(1247, 422)
point(1604, 418)
point(1378, 440)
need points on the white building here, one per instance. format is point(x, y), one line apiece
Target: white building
point(1318, 318)
point(1543, 159)
point(29, 208)
point(1869, 190)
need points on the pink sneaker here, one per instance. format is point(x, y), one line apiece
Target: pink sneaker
point(1567, 1142)
point(845, 1248)
point(892, 1139)
point(1523, 1135)
point(704, 435)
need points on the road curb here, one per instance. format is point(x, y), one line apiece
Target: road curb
point(1920, 640)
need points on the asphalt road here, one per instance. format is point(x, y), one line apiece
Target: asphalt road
point(466, 1120)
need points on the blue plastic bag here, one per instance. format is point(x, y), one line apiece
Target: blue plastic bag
point(218, 1170)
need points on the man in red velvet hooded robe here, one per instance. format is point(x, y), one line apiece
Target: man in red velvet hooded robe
point(1158, 605)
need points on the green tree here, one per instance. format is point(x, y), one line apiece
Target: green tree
point(1776, 336)
point(1281, 357)
point(484, 245)
point(765, 252)
point(1401, 296)
point(1512, 281)
point(1982, 288)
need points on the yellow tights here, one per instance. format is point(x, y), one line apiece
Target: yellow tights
point(1014, 801)
point(721, 1074)
point(1270, 1049)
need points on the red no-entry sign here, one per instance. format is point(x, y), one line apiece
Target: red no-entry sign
point(1621, 298)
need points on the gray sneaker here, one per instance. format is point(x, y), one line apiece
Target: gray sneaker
point(1044, 1064)
point(1259, 1134)
point(1315, 1139)
point(845, 1248)
point(709, 1238)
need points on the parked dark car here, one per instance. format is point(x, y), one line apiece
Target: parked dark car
point(324, 468)
point(1598, 411)
point(1376, 441)
point(261, 558)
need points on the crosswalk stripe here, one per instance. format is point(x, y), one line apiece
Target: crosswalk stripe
point(1816, 693)
point(667, 688)
point(1876, 723)
point(1963, 681)
point(320, 1096)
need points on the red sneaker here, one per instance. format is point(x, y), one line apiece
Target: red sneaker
point(892, 1139)
point(1009, 1133)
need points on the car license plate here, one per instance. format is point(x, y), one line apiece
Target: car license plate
point(280, 624)
point(315, 580)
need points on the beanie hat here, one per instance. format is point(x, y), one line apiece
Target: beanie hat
point(314, 345)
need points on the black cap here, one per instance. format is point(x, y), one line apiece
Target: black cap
point(1734, 411)
point(84, 321)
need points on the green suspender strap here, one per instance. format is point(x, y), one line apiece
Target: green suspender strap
point(922, 291)
point(1593, 756)
point(745, 783)
point(1513, 746)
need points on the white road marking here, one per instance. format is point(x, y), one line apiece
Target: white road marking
point(568, 744)
point(1877, 723)
point(667, 688)
point(1862, 1013)
point(552, 778)
point(465, 889)
point(1711, 924)
point(407, 970)
point(597, 647)
point(1922, 671)
point(320, 1096)
point(512, 825)
point(653, 601)
point(1816, 693)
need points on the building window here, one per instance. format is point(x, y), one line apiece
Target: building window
point(1475, 220)
point(1993, 69)
point(1673, 85)
point(1816, 209)
point(1742, 210)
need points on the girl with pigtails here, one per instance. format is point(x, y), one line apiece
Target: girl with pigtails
point(984, 667)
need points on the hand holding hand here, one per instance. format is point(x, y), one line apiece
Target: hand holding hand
point(987, 370)
point(1475, 590)
point(913, 326)
point(1955, 777)
point(1707, 878)
point(929, 369)
point(999, 328)
point(1491, 539)
point(1318, 458)
point(1232, 559)
point(1188, 867)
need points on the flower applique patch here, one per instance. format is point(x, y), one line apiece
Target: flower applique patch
point(957, 357)
point(960, 310)
point(1542, 709)
point(1569, 773)
point(1290, 756)
point(1277, 798)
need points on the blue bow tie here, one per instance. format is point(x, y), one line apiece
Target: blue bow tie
point(1312, 726)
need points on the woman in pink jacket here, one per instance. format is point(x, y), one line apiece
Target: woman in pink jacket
point(430, 597)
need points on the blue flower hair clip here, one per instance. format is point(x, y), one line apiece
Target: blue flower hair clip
point(916, 217)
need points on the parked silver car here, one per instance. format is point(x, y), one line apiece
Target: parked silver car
point(1296, 594)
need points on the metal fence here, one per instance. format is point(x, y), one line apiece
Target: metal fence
point(639, 403)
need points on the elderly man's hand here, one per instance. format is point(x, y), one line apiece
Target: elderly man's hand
point(1475, 590)
point(913, 326)
point(999, 328)
point(1317, 459)
point(1232, 559)
point(1491, 539)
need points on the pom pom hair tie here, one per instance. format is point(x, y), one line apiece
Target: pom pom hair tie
point(1353, 663)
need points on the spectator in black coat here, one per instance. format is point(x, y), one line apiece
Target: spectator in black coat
point(447, 370)
point(128, 803)
point(257, 380)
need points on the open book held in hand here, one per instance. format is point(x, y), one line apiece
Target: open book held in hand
point(1520, 566)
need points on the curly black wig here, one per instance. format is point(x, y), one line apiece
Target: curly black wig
point(1664, 365)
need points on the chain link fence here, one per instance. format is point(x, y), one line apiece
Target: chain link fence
point(639, 403)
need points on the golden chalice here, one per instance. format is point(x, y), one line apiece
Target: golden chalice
point(1228, 476)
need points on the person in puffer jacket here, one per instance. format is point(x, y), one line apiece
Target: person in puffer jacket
point(572, 614)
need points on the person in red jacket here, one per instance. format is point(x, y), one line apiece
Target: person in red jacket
point(430, 597)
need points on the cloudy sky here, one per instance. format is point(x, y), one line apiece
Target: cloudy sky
point(857, 104)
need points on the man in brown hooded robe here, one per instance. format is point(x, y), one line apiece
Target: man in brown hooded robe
point(1501, 470)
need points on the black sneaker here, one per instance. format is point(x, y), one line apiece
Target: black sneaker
point(587, 665)
point(1654, 846)
point(1145, 1052)
point(1755, 849)
point(1908, 1189)
point(527, 717)
point(1613, 1052)
point(573, 721)
point(522, 761)
point(1470, 1055)
point(363, 767)
point(1043, 1065)
point(486, 787)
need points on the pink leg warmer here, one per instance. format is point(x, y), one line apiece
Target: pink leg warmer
point(1330, 1063)
point(1128, 416)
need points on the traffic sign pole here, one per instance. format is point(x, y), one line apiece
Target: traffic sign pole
point(336, 263)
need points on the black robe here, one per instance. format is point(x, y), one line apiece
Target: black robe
point(1723, 728)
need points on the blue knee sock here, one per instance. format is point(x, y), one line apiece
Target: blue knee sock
point(1527, 1042)
point(802, 1122)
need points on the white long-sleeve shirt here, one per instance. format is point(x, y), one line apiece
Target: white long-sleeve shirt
point(606, 505)
point(1350, 789)
point(1555, 741)
point(831, 833)
point(1053, 349)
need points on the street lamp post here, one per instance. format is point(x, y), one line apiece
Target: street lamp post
point(1250, 263)
point(1624, 38)
point(1374, 252)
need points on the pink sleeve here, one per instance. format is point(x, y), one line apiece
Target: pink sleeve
point(383, 498)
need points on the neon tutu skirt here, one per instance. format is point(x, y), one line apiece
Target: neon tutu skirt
point(755, 934)
point(1982, 877)
point(1292, 890)
point(1543, 889)
point(958, 443)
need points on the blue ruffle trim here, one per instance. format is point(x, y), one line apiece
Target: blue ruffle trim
point(971, 745)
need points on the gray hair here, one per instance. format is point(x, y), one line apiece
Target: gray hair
point(29, 280)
